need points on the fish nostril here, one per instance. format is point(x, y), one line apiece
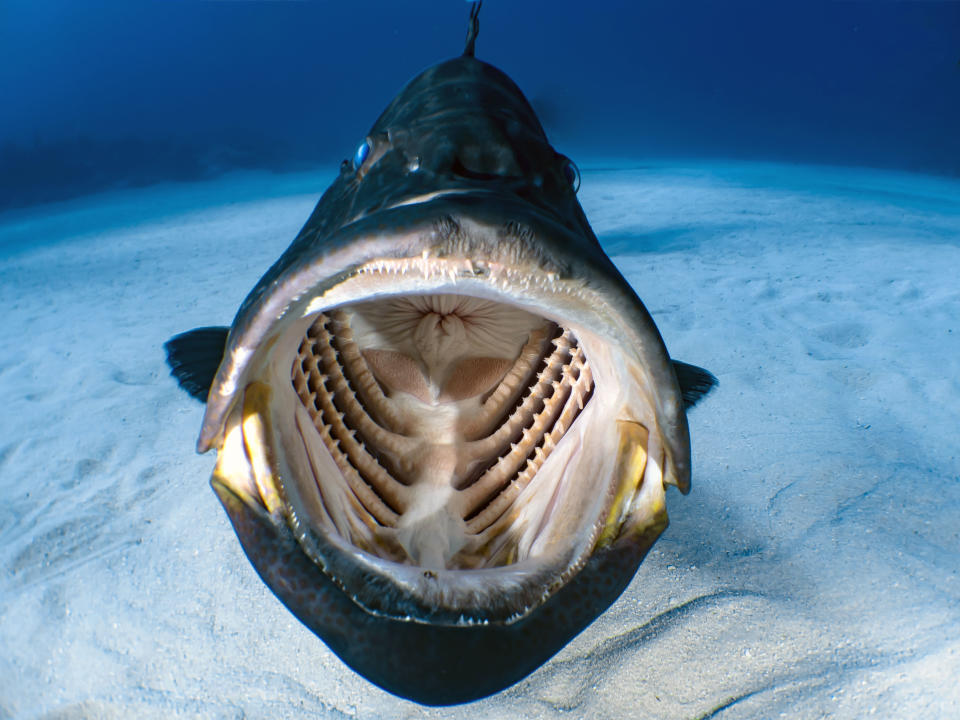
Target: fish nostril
point(458, 168)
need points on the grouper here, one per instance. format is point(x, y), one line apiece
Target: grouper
point(444, 422)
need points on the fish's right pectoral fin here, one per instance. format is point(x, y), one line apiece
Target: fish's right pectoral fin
point(194, 357)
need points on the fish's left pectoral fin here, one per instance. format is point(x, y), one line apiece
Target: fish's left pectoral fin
point(695, 382)
point(194, 357)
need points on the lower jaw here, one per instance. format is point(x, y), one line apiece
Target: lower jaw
point(433, 664)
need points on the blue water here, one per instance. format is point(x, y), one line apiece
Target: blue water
point(128, 92)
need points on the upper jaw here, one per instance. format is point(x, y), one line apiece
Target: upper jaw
point(500, 246)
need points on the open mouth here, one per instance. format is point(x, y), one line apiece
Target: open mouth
point(452, 451)
point(438, 411)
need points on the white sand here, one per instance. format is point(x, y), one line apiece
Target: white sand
point(812, 571)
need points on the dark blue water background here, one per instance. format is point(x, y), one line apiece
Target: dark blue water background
point(125, 92)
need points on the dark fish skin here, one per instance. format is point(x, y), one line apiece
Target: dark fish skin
point(432, 664)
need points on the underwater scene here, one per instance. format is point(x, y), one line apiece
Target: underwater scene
point(445, 359)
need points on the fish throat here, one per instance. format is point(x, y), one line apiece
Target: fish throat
point(438, 411)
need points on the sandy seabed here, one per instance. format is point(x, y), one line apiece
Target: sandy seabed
point(813, 571)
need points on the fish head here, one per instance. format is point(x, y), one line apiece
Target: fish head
point(443, 394)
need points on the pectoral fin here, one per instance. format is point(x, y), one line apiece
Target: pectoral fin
point(695, 382)
point(194, 357)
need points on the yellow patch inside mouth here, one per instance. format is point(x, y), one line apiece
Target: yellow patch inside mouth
point(631, 465)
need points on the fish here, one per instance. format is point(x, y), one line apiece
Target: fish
point(444, 421)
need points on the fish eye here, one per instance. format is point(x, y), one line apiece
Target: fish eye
point(572, 173)
point(363, 152)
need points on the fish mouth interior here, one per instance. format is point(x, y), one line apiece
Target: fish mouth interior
point(448, 457)
point(428, 422)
